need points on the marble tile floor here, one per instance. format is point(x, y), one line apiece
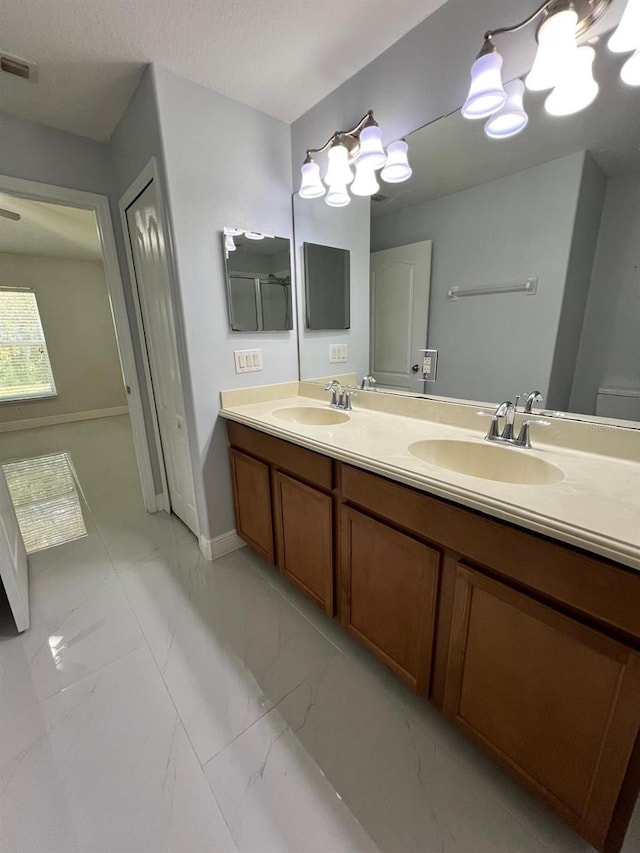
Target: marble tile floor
point(164, 703)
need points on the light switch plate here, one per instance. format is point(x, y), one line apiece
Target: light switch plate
point(337, 353)
point(247, 360)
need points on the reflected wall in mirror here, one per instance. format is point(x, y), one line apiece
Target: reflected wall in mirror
point(258, 276)
point(326, 287)
point(557, 207)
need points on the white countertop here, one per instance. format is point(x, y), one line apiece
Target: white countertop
point(596, 506)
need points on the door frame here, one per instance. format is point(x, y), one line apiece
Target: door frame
point(99, 204)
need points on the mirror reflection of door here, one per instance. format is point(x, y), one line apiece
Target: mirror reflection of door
point(400, 280)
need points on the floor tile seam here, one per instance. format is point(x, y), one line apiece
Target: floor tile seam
point(97, 671)
point(178, 714)
point(292, 604)
point(258, 719)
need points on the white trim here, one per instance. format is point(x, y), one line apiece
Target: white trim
point(221, 545)
point(148, 174)
point(100, 205)
point(69, 417)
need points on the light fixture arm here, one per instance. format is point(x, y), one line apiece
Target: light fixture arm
point(490, 34)
point(367, 120)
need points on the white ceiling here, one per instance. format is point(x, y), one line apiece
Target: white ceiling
point(48, 230)
point(277, 56)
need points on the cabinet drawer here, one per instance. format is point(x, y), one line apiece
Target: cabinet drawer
point(555, 702)
point(388, 588)
point(252, 499)
point(305, 464)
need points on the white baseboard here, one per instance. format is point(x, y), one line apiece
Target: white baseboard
point(217, 547)
point(51, 420)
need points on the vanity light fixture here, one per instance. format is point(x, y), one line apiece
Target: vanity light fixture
point(230, 233)
point(560, 65)
point(358, 149)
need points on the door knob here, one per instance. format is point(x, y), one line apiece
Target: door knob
point(415, 368)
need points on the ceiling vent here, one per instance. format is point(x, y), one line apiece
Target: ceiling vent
point(18, 67)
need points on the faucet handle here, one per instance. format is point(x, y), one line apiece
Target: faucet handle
point(523, 438)
point(493, 428)
point(336, 391)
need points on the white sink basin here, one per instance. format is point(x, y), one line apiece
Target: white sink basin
point(311, 416)
point(489, 461)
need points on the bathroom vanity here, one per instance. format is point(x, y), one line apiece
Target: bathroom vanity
point(463, 586)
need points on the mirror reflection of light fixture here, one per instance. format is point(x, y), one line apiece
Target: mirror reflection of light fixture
point(559, 65)
point(576, 88)
point(254, 235)
point(630, 71)
point(361, 147)
point(627, 34)
point(397, 168)
point(511, 119)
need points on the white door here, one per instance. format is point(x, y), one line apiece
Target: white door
point(148, 248)
point(400, 281)
point(13, 559)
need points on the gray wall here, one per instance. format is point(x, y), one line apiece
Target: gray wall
point(37, 153)
point(225, 164)
point(576, 292)
point(343, 228)
point(609, 352)
point(493, 347)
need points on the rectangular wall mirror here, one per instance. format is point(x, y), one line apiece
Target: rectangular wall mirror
point(258, 277)
point(516, 259)
point(327, 272)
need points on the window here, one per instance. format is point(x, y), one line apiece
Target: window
point(25, 369)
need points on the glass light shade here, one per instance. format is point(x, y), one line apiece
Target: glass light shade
point(577, 88)
point(254, 235)
point(630, 71)
point(311, 186)
point(627, 34)
point(232, 232)
point(338, 170)
point(511, 119)
point(486, 94)
point(397, 168)
point(229, 245)
point(338, 196)
point(371, 151)
point(365, 182)
point(556, 47)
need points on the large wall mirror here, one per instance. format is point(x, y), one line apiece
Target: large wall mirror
point(258, 277)
point(518, 260)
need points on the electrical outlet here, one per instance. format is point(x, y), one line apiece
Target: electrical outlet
point(430, 365)
point(247, 360)
point(337, 353)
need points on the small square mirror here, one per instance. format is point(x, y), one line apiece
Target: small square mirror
point(327, 273)
point(258, 277)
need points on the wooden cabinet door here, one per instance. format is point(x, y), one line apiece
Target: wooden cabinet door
point(252, 498)
point(555, 702)
point(388, 588)
point(304, 537)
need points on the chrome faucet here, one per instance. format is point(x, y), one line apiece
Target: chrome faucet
point(368, 383)
point(530, 399)
point(340, 397)
point(507, 410)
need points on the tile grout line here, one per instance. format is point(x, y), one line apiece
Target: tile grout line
point(171, 699)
